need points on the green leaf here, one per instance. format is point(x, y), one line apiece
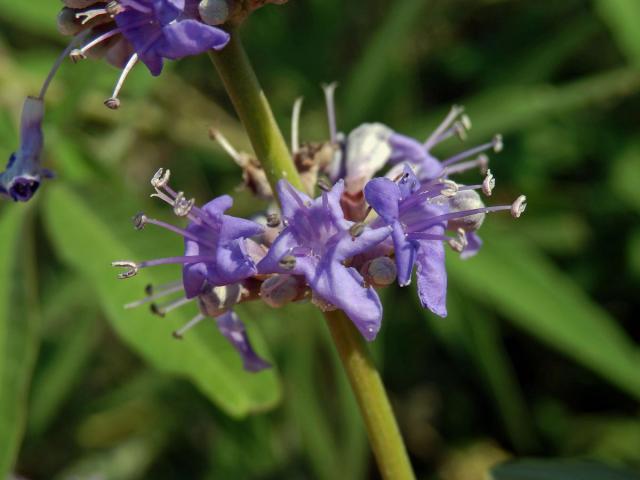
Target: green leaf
point(204, 356)
point(367, 78)
point(513, 108)
point(518, 281)
point(17, 329)
point(36, 17)
point(622, 17)
point(560, 470)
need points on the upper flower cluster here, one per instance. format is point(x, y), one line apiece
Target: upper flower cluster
point(124, 32)
point(358, 234)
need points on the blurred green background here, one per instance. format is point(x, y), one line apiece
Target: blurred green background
point(539, 356)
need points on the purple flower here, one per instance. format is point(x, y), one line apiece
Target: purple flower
point(160, 29)
point(418, 231)
point(23, 173)
point(153, 30)
point(419, 214)
point(316, 243)
point(215, 263)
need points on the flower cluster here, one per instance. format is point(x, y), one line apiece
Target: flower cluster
point(336, 249)
point(123, 32)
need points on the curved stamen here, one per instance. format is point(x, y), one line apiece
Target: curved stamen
point(142, 220)
point(295, 125)
point(114, 103)
point(329, 94)
point(444, 125)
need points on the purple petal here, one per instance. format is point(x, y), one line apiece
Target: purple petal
point(189, 37)
point(347, 246)
point(234, 227)
point(234, 330)
point(473, 245)
point(432, 276)
point(383, 195)
point(232, 264)
point(218, 205)
point(405, 253)
point(291, 200)
point(343, 287)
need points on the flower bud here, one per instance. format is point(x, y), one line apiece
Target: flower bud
point(462, 201)
point(278, 290)
point(380, 272)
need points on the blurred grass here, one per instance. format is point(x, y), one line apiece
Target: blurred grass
point(540, 353)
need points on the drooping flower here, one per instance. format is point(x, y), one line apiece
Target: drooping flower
point(419, 214)
point(24, 172)
point(149, 31)
point(215, 264)
point(316, 243)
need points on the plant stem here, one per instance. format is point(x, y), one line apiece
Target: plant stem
point(382, 428)
point(252, 107)
point(254, 111)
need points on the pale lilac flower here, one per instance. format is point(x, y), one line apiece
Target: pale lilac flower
point(419, 214)
point(214, 265)
point(316, 243)
point(149, 31)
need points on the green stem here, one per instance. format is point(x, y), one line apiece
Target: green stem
point(254, 111)
point(382, 428)
point(252, 107)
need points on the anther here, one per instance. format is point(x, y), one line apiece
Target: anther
point(76, 55)
point(148, 289)
point(131, 268)
point(450, 188)
point(357, 229)
point(518, 207)
point(466, 122)
point(459, 243)
point(288, 262)
point(181, 206)
point(112, 103)
point(497, 143)
point(156, 310)
point(139, 221)
point(273, 220)
point(460, 130)
point(113, 8)
point(324, 184)
point(161, 178)
point(488, 184)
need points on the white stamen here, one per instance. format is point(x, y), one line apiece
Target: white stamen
point(449, 119)
point(155, 296)
point(188, 326)
point(295, 125)
point(329, 94)
point(114, 103)
point(226, 146)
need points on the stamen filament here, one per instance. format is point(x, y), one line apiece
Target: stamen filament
point(464, 213)
point(172, 260)
point(329, 94)
point(56, 65)
point(155, 296)
point(295, 125)
point(188, 326)
point(179, 231)
point(113, 102)
point(470, 153)
point(449, 119)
